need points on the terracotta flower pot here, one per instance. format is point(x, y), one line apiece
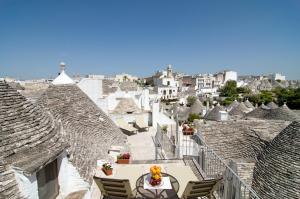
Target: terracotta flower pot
point(123, 161)
point(107, 172)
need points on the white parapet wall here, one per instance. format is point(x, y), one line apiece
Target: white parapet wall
point(69, 178)
point(92, 87)
point(27, 184)
point(155, 114)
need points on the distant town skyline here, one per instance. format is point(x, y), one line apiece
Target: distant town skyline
point(141, 37)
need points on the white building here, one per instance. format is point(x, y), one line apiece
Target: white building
point(206, 86)
point(277, 76)
point(167, 92)
point(230, 75)
point(166, 85)
point(92, 87)
point(222, 77)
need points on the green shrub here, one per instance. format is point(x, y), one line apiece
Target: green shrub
point(193, 116)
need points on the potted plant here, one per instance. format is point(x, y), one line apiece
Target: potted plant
point(164, 129)
point(107, 168)
point(188, 130)
point(123, 158)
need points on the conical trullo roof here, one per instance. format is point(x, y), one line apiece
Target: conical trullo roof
point(282, 113)
point(214, 113)
point(232, 105)
point(265, 85)
point(248, 104)
point(241, 110)
point(272, 105)
point(30, 139)
point(182, 111)
point(265, 107)
point(90, 132)
point(126, 105)
point(259, 112)
point(277, 84)
point(277, 170)
point(197, 107)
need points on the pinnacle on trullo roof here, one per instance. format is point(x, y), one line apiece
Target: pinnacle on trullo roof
point(62, 78)
point(248, 104)
point(282, 113)
point(272, 105)
point(214, 113)
point(259, 112)
point(240, 109)
point(232, 105)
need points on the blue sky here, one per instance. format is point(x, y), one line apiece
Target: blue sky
point(140, 37)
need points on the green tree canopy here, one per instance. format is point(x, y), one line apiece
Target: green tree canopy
point(191, 100)
point(263, 97)
point(289, 95)
point(229, 90)
point(243, 90)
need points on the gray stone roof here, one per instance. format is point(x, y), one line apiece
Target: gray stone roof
point(15, 85)
point(32, 95)
point(265, 107)
point(126, 105)
point(241, 138)
point(259, 112)
point(214, 113)
point(248, 104)
point(272, 105)
point(232, 105)
point(128, 86)
point(109, 86)
point(183, 112)
point(30, 138)
point(243, 168)
point(277, 84)
point(282, 113)
point(197, 107)
point(89, 131)
point(277, 171)
point(253, 85)
point(239, 110)
point(265, 85)
point(297, 112)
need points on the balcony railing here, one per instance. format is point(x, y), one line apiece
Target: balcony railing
point(207, 162)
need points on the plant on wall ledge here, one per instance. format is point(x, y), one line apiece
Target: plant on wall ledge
point(107, 168)
point(164, 129)
point(123, 158)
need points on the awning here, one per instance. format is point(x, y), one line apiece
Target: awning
point(124, 125)
point(139, 121)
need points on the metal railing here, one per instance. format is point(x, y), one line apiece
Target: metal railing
point(165, 147)
point(212, 166)
point(209, 165)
